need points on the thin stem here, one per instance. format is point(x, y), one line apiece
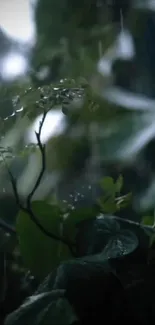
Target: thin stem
point(138, 224)
point(43, 155)
point(28, 208)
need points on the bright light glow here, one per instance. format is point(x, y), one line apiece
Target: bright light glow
point(105, 64)
point(13, 65)
point(16, 20)
point(54, 124)
point(123, 49)
point(128, 100)
point(125, 45)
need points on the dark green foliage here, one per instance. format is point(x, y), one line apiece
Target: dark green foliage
point(89, 284)
point(92, 258)
point(46, 308)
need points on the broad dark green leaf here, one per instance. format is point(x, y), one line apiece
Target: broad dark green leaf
point(108, 204)
point(108, 185)
point(94, 235)
point(74, 218)
point(121, 245)
point(41, 253)
point(48, 283)
point(58, 312)
point(87, 284)
point(82, 214)
point(44, 309)
point(109, 225)
point(78, 268)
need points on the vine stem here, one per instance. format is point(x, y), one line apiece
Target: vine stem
point(28, 207)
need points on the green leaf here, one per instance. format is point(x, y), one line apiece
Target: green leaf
point(147, 220)
point(107, 201)
point(70, 272)
point(119, 184)
point(74, 218)
point(41, 253)
point(107, 204)
point(94, 235)
point(123, 201)
point(86, 284)
point(121, 245)
point(107, 184)
point(109, 225)
point(49, 308)
point(58, 312)
point(48, 283)
point(82, 214)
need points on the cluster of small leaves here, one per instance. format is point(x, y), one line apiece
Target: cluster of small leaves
point(112, 200)
point(36, 100)
point(7, 152)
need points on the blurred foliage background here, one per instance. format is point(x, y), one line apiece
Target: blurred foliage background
point(91, 64)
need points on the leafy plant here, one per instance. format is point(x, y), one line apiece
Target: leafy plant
point(44, 308)
point(91, 264)
point(43, 229)
point(112, 201)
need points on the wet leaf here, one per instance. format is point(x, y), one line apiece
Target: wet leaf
point(74, 218)
point(41, 253)
point(107, 184)
point(48, 308)
point(120, 245)
point(107, 204)
point(93, 236)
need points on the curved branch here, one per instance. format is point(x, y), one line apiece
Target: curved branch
point(43, 155)
point(28, 208)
